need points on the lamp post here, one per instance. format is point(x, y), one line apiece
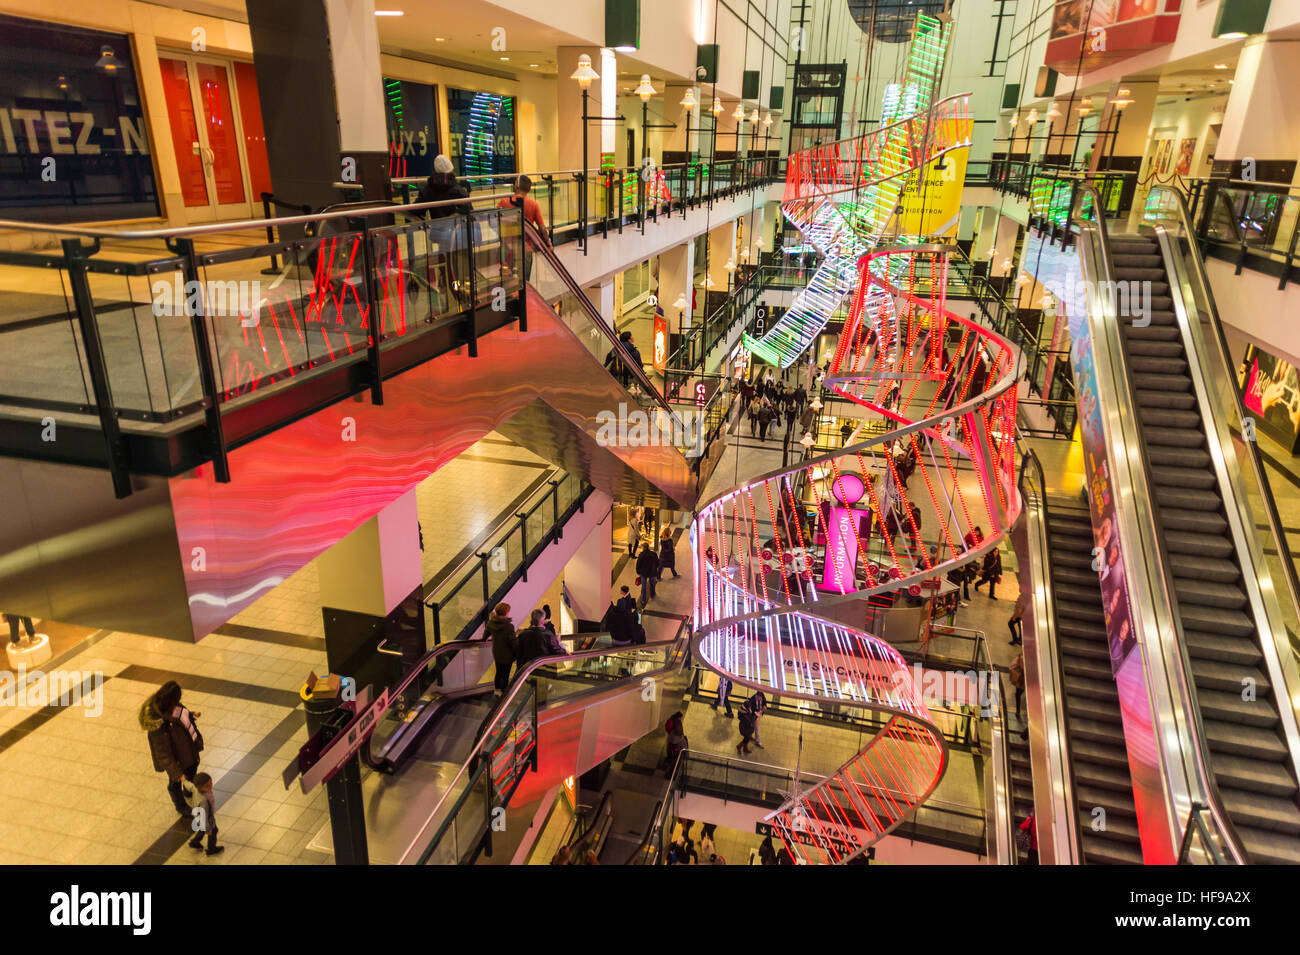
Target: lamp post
point(584, 74)
point(767, 125)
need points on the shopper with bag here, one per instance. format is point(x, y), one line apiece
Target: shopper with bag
point(677, 741)
point(174, 739)
point(991, 573)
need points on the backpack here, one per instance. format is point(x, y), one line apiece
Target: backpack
point(746, 722)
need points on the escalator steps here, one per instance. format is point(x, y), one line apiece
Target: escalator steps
point(1250, 759)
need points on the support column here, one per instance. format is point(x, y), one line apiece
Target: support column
point(371, 589)
point(321, 91)
point(1005, 243)
point(676, 267)
point(1258, 123)
point(588, 573)
point(722, 248)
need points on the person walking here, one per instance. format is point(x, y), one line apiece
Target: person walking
point(1016, 674)
point(647, 568)
point(846, 432)
point(992, 572)
point(667, 556)
point(755, 411)
point(677, 741)
point(791, 416)
point(759, 704)
point(747, 724)
point(1014, 625)
point(505, 645)
point(174, 739)
point(633, 531)
point(202, 802)
point(767, 851)
point(724, 695)
point(765, 418)
point(532, 213)
point(800, 396)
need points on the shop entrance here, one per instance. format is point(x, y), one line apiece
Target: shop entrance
point(214, 146)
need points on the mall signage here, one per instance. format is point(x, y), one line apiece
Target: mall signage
point(74, 141)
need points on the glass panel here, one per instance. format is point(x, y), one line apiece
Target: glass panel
point(185, 131)
point(42, 341)
point(250, 116)
point(219, 123)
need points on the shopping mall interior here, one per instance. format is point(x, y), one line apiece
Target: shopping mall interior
point(777, 432)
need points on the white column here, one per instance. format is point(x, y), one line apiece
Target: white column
point(587, 574)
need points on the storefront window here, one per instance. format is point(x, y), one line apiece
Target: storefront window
point(412, 110)
point(482, 133)
point(74, 142)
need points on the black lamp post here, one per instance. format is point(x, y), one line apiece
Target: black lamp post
point(584, 74)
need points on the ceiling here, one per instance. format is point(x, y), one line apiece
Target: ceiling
point(424, 29)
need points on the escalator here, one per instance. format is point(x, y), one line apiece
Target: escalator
point(1249, 755)
point(451, 749)
point(1197, 565)
point(1098, 758)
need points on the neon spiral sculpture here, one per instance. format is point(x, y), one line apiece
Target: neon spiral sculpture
point(785, 559)
point(844, 196)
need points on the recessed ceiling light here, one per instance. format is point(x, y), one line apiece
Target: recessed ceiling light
point(503, 59)
point(440, 39)
point(1220, 66)
point(390, 13)
point(534, 65)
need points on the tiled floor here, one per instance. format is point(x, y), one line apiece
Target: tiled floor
point(82, 789)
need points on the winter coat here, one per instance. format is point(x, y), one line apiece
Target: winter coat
point(505, 644)
point(440, 187)
point(647, 565)
point(537, 642)
point(173, 749)
point(667, 557)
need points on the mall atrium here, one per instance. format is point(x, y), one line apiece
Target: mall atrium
point(605, 432)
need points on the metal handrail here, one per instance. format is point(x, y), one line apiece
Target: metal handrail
point(517, 684)
point(594, 316)
point(1252, 450)
point(1183, 667)
point(1031, 472)
point(239, 225)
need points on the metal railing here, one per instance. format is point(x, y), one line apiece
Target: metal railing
point(152, 325)
point(1186, 764)
point(454, 827)
point(578, 204)
point(463, 598)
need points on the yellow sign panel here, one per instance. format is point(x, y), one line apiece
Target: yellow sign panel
point(932, 204)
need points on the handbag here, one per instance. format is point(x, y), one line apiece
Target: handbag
point(638, 580)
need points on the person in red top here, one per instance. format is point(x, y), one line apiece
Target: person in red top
point(1030, 845)
point(532, 212)
point(974, 538)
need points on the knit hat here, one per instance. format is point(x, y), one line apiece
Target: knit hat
point(443, 164)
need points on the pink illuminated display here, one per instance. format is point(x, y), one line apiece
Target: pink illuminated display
point(945, 469)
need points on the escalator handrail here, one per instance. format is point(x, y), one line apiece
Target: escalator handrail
point(505, 704)
point(593, 315)
point(1032, 467)
point(1182, 668)
point(1252, 449)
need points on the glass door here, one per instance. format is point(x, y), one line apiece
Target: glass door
point(210, 158)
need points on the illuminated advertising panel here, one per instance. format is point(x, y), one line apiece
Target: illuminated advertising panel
point(482, 129)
